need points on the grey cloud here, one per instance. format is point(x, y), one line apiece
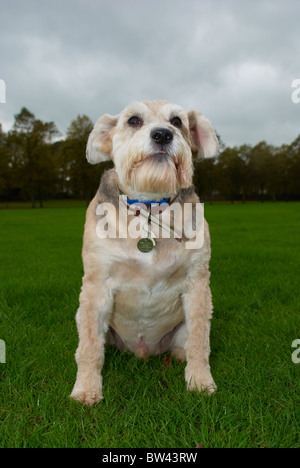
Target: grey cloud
point(234, 60)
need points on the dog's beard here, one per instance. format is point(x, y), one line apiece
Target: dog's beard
point(158, 173)
point(154, 174)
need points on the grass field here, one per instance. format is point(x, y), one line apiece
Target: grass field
point(255, 284)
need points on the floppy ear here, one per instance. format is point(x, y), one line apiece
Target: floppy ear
point(204, 140)
point(99, 145)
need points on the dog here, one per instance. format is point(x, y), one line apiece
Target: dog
point(145, 299)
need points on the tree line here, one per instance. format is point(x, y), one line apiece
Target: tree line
point(36, 165)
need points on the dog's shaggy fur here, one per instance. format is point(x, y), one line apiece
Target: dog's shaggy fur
point(146, 303)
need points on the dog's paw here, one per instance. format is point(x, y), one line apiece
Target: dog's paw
point(201, 383)
point(88, 397)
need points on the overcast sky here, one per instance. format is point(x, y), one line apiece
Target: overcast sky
point(234, 60)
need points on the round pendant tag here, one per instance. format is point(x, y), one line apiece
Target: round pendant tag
point(145, 245)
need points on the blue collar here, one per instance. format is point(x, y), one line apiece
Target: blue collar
point(131, 201)
point(148, 202)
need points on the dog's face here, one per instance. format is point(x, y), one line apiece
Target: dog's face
point(151, 145)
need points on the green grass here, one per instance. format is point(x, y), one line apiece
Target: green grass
point(255, 284)
point(46, 204)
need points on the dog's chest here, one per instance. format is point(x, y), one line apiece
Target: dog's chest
point(147, 296)
point(147, 289)
point(167, 263)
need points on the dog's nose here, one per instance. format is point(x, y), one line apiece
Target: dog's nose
point(162, 136)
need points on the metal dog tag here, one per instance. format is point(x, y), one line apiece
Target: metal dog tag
point(145, 244)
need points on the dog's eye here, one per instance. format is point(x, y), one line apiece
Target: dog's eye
point(176, 121)
point(135, 121)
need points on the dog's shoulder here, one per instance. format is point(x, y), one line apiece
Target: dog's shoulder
point(108, 191)
point(187, 195)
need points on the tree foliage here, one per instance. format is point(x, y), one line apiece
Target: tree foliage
point(28, 146)
point(35, 165)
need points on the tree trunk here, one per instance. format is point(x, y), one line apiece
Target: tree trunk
point(40, 197)
point(243, 195)
point(32, 200)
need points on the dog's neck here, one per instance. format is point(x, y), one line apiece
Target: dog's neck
point(147, 198)
point(109, 191)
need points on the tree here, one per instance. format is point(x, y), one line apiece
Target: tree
point(258, 168)
point(33, 166)
point(30, 142)
point(5, 169)
point(244, 153)
point(293, 168)
point(80, 178)
point(230, 173)
point(205, 178)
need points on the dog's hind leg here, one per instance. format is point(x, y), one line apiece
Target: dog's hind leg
point(178, 343)
point(96, 303)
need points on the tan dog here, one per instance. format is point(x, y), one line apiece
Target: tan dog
point(149, 301)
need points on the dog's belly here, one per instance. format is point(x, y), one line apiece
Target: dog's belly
point(144, 322)
point(144, 348)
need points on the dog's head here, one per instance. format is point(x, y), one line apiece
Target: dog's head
point(151, 145)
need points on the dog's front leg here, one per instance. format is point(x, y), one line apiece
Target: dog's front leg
point(96, 304)
point(198, 311)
